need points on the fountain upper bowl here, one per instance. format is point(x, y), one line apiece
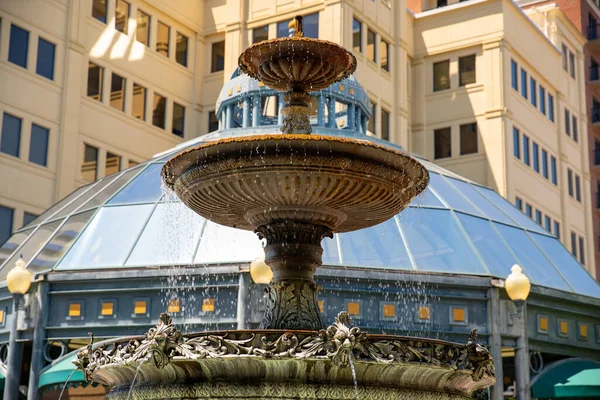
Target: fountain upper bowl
point(341, 183)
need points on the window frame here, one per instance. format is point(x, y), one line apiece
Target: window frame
point(31, 144)
point(439, 132)
point(39, 65)
point(439, 87)
point(15, 56)
point(462, 73)
point(19, 135)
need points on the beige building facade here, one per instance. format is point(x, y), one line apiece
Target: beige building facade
point(131, 79)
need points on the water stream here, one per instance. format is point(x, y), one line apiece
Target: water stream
point(134, 378)
point(354, 377)
point(66, 382)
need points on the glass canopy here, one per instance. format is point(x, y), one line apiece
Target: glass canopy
point(454, 227)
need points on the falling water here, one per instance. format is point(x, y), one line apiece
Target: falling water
point(134, 378)
point(66, 382)
point(354, 377)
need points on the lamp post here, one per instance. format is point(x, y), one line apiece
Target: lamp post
point(518, 287)
point(260, 272)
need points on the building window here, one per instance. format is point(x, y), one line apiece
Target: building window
point(310, 24)
point(121, 16)
point(10, 140)
point(536, 159)
point(113, 164)
point(519, 203)
point(542, 100)
point(542, 324)
point(557, 229)
point(458, 315)
point(75, 310)
point(138, 102)
point(89, 168)
point(533, 85)
point(353, 308)
point(95, 80)
point(565, 62)
point(99, 10)
point(371, 50)
point(424, 313)
point(441, 75)
point(384, 54)
point(142, 33)
point(544, 163)
point(466, 70)
point(570, 182)
point(181, 49)
point(6, 223)
point(578, 188)
point(260, 34)
point(140, 307)
point(356, 36)
point(372, 124)
point(163, 33)
point(117, 92)
point(553, 173)
point(18, 46)
point(563, 327)
point(514, 75)
point(178, 119)
point(28, 218)
point(528, 210)
point(132, 163)
point(38, 145)
point(575, 130)
point(567, 122)
point(523, 83)
point(516, 143)
point(526, 150)
point(551, 107)
point(538, 217)
point(107, 308)
point(388, 311)
point(594, 70)
point(218, 57)
point(173, 306)
point(213, 121)
point(547, 223)
point(159, 111)
point(581, 251)
point(468, 139)
point(574, 244)
point(583, 331)
point(208, 305)
point(442, 139)
point(572, 64)
point(2, 317)
point(385, 124)
point(45, 59)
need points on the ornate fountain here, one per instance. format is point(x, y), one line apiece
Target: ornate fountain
point(292, 189)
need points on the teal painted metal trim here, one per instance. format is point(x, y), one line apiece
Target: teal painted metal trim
point(58, 372)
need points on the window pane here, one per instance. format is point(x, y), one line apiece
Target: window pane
point(553, 173)
point(384, 48)
point(218, 57)
point(283, 28)
point(89, 168)
point(28, 218)
point(259, 34)
point(116, 183)
point(159, 108)
point(178, 119)
point(514, 75)
point(213, 122)
point(310, 24)
point(523, 83)
point(15, 240)
point(551, 107)
point(356, 36)
point(121, 16)
point(441, 75)
point(95, 78)
point(113, 164)
point(385, 125)
point(18, 46)
point(143, 28)
point(11, 135)
point(45, 59)
point(145, 188)
point(162, 39)
point(117, 92)
point(99, 10)
point(6, 223)
point(466, 69)
point(371, 51)
point(526, 149)
point(213, 249)
point(38, 146)
point(371, 125)
point(516, 143)
point(468, 139)
point(533, 87)
point(545, 164)
point(542, 100)
point(138, 106)
point(536, 155)
point(181, 49)
point(442, 143)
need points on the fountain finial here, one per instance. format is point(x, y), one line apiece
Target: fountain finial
point(295, 27)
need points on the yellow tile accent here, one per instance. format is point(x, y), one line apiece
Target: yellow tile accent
point(458, 314)
point(389, 310)
point(74, 310)
point(2, 316)
point(424, 312)
point(230, 92)
point(353, 308)
point(208, 305)
point(583, 331)
point(543, 323)
point(140, 307)
point(352, 91)
point(342, 88)
point(107, 308)
point(174, 305)
point(564, 327)
point(321, 305)
point(238, 88)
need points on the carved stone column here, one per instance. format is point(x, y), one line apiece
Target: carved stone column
point(293, 252)
point(296, 112)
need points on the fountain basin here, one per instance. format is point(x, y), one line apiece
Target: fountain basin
point(275, 364)
point(341, 183)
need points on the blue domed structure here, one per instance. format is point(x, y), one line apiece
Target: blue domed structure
point(104, 257)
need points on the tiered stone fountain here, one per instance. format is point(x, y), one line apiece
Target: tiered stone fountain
point(292, 189)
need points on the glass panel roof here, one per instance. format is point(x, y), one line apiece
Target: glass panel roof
point(451, 196)
point(58, 206)
point(75, 204)
point(427, 199)
point(13, 244)
point(331, 254)
point(218, 242)
point(144, 189)
point(107, 192)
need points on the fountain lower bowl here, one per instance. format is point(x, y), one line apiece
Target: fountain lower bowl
point(341, 183)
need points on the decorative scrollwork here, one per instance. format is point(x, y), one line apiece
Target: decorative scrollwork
point(293, 232)
point(480, 357)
